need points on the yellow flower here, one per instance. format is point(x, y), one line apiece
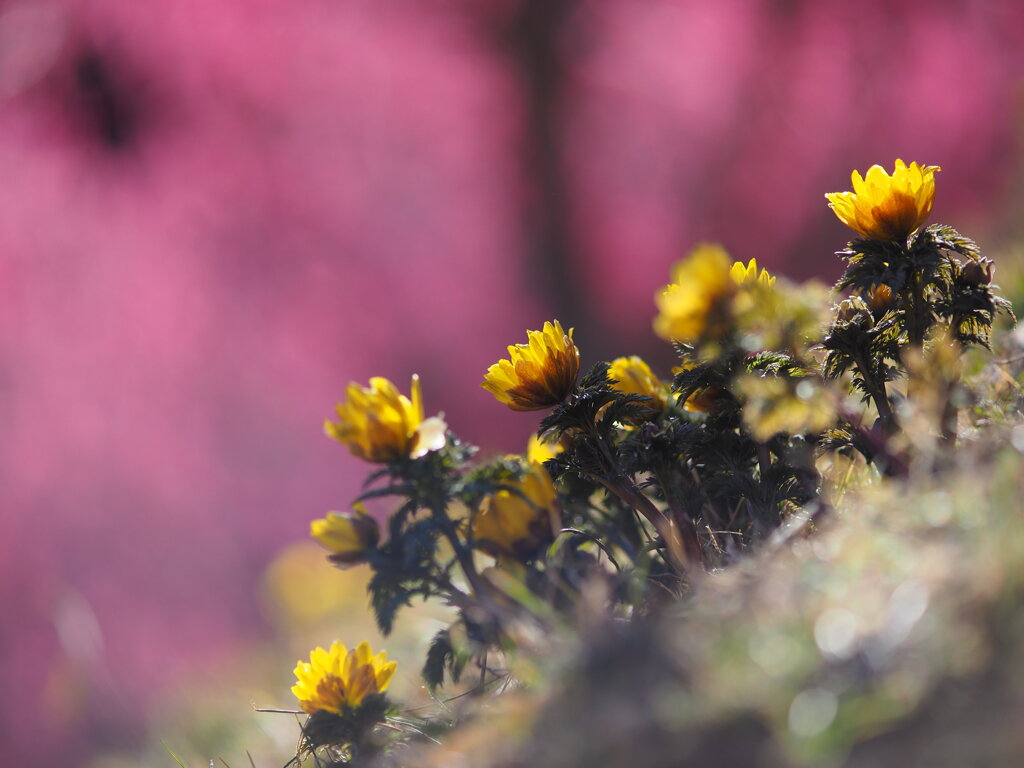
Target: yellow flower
point(538, 451)
point(538, 374)
point(699, 303)
point(884, 207)
point(336, 679)
point(704, 400)
point(379, 424)
point(515, 523)
point(748, 275)
point(348, 535)
point(634, 377)
point(696, 301)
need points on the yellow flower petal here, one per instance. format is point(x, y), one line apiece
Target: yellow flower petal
point(378, 423)
point(349, 536)
point(337, 680)
point(634, 377)
point(884, 207)
point(514, 523)
point(539, 374)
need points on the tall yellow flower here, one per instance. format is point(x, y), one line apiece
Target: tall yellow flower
point(539, 374)
point(348, 535)
point(634, 377)
point(884, 207)
point(336, 679)
point(377, 423)
point(515, 523)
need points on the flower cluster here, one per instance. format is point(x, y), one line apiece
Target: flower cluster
point(639, 482)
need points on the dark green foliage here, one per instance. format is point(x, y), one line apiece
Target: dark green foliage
point(350, 738)
point(929, 282)
point(442, 658)
point(580, 409)
point(873, 262)
point(403, 567)
point(971, 308)
point(497, 474)
point(777, 364)
point(865, 343)
point(943, 237)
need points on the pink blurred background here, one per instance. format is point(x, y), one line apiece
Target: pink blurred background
point(213, 216)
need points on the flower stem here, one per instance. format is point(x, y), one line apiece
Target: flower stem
point(682, 546)
point(917, 327)
point(876, 389)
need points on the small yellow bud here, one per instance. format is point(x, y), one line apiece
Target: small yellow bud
point(348, 535)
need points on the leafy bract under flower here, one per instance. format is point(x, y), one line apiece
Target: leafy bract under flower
point(377, 423)
point(633, 376)
point(702, 400)
point(884, 207)
point(337, 678)
point(514, 523)
point(539, 374)
point(347, 535)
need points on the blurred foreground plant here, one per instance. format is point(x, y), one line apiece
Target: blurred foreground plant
point(635, 487)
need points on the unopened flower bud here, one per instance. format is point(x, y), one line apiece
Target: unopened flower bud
point(978, 272)
point(349, 535)
point(848, 310)
point(879, 297)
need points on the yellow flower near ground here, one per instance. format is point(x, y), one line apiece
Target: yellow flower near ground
point(515, 523)
point(348, 535)
point(337, 678)
point(884, 207)
point(539, 374)
point(377, 423)
point(633, 376)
